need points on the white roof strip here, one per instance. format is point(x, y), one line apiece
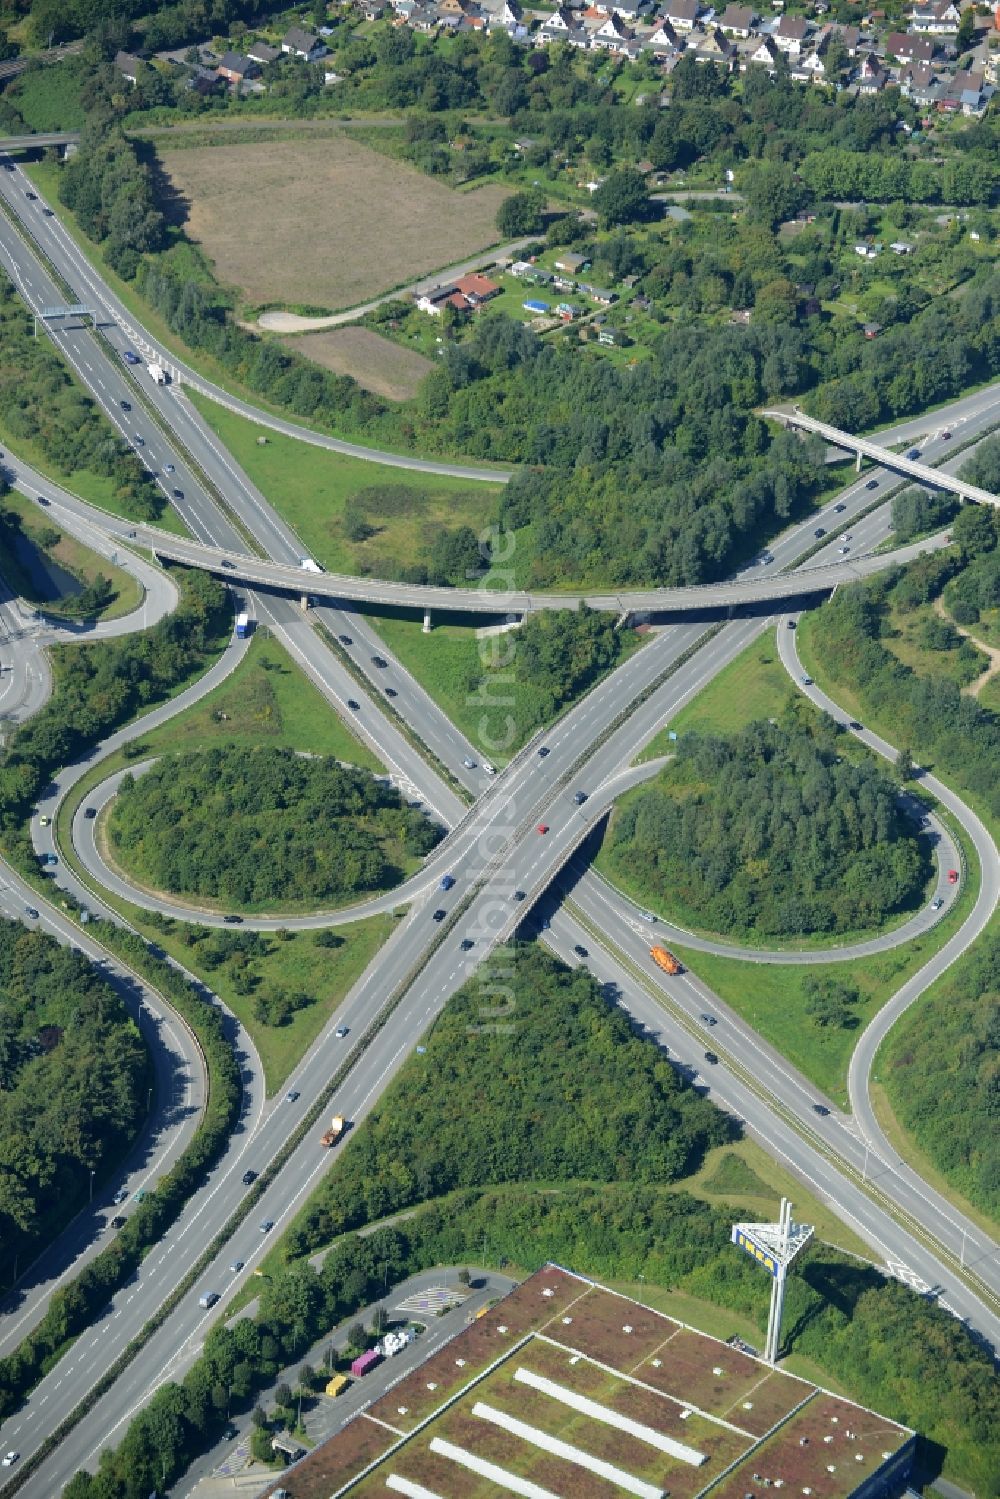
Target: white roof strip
point(570, 1454)
point(500, 1476)
point(647, 1434)
point(406, 1486)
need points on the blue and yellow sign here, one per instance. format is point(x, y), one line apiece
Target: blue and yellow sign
point(762, 1256)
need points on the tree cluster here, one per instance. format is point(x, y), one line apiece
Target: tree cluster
point(771, 831)
point(528, 1075)
point(72, 1084)
point(40, 401)
point(111, 193)
point(943, 1074)
point(915, 512)
point(296, 828)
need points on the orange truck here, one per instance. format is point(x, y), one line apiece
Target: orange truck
point(664, 960)
point(335, 1131)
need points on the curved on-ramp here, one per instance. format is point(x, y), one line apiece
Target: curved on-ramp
point(980, 1245)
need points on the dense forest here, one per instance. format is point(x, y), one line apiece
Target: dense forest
point(100, 687)
point(771, 831)
point(40, 400)
point(73, 1078)
point(536, 1046)
point(533, 1035)
point(296, 828)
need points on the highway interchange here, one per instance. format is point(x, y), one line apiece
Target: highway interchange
point(492, 850)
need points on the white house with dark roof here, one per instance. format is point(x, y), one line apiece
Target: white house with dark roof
point(682, 14)
point(907, 47)
point(738, 20)
point(664, 40)
point(765, 54)
point(304, 44)
point(612, 35)
point(790, 34)
point(937, 19)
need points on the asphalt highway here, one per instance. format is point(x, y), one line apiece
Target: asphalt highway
point(496, 850)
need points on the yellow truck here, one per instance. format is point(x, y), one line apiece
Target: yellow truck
point(337, 1384)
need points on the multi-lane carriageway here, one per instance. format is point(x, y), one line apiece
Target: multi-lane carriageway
point(497, 849)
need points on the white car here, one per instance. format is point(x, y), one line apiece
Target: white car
point(10, 1458)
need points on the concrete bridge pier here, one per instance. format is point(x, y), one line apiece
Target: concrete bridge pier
point(304, 603)
point(857, 462)
point(427, 621)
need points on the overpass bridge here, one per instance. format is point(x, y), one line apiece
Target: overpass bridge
point(15, 65)
point(375, 592)
point(38, 142)
point(864, 447)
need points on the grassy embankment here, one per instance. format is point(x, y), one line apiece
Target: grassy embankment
point(266, 701)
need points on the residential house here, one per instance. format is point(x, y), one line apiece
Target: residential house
point(711, 46)
point(612, 35)
point(849, 37)
point(234, 67)
point(908, 48)
point(372, 10)
point(458, 10)
point(871, 330)
point(510, 17)
point(766, 54)
point(919, 83)
point(299, 43)
point(940, 18)
point(436, 301)
point(562, 26)
point(966, 91)
point(477, 288)
point(204, 82)
point(810, 68)
point(263, 53)
point(865, 251)
point(664, 41)
point(738, 20)
point(872, 77)
point(571, 263)
point(600, 296)
point(682, 14)
point(629, 10)
point(901, 247)
point(128, 65)
point(790, 34)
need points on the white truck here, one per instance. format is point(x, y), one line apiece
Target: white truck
point(309, 566)
point(156, 373)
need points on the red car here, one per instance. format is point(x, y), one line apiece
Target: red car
point(543, 827)
point(953, 877)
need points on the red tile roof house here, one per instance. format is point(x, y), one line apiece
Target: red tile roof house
point(477, 289)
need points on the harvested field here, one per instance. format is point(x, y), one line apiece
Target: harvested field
point(322, 223)
point(373, 361)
